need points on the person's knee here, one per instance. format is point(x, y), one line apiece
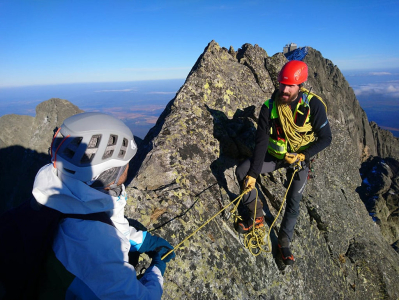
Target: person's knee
point(292, 208)
point(292, 212)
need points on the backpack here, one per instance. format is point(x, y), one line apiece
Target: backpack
point(26, 234)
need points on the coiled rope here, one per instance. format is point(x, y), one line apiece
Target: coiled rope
point(253, 240)
point(297, 136)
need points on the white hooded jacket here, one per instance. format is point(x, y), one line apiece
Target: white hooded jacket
point(94, 252)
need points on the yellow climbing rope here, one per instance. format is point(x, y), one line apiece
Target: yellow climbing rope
point(253, 239)
point(199, 228)
point(297, 136)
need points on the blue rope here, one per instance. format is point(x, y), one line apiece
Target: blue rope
point(297, 54)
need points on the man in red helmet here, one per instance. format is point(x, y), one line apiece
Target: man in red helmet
point(290, 112)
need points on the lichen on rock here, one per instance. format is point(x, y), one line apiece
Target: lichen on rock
point(209, 128)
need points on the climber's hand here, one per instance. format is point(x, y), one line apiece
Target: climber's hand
point(292, 158)
point(153, 243)
point(249, 183)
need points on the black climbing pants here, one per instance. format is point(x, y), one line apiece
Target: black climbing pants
point(294, 194)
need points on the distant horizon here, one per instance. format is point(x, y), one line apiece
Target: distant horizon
point(347, 71)
point(140, 102)
point(86, 82)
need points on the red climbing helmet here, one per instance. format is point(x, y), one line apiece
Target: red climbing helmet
point(293, 72)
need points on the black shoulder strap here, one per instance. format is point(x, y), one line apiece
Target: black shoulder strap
point(273, 97)
point(100, 216)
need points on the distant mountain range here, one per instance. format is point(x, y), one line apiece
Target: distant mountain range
point(140, 103)
point(137, 103)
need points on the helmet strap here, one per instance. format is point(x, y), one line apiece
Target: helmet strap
point(121, 171)
point(58, 148)
point(107, 179)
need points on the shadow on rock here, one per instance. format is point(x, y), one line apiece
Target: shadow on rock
point(236, 138)
point(18, 168)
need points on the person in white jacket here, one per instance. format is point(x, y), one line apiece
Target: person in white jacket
point(90, 258)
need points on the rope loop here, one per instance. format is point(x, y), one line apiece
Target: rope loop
point(254, 240)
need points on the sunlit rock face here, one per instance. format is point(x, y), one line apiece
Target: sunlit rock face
point(184, 174)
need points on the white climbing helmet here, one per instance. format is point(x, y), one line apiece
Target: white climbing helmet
point(88, 144)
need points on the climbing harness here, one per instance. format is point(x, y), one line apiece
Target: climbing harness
point(254, 239)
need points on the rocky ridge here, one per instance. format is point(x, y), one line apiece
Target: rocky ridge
point(187, 176)
point(184, 174)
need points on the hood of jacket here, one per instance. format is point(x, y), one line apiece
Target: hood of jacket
point(68, 195)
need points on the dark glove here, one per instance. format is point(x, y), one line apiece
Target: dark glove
point(157, 261)
point(154, 243)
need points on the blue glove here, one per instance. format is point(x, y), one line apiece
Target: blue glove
point(154, 243)
point(157, 261)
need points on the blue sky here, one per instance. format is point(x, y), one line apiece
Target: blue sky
point(60, 41)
